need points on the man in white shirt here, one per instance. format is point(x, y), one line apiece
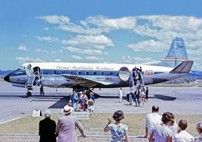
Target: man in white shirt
point(120, 95)
point(161, 132)
point(183, 135)
point(152, 120)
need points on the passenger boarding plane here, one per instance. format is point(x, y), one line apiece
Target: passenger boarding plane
point(101, 75)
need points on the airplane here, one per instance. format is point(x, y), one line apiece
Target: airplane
point(100, 75)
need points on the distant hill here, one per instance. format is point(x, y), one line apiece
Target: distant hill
point(4, 73)
point(195, 75)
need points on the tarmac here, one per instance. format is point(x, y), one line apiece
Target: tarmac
point(179, 100)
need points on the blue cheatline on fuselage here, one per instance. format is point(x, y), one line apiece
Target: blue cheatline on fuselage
point(75, 72)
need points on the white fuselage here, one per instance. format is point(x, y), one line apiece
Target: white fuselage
point(100, 74)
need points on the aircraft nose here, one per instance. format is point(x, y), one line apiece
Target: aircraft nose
point(7, 78)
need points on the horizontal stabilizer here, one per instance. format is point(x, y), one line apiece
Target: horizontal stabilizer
point(184, 67)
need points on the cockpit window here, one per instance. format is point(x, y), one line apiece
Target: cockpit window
point(18, 72)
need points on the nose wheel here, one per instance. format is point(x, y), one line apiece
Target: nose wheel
point(28, 94)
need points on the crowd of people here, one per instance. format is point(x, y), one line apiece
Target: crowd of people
point(158, 128)
point(165, 128)
point(82, 101)
point(140, 96)
point(138, 93)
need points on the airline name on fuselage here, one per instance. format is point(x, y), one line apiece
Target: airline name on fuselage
point(84, 68)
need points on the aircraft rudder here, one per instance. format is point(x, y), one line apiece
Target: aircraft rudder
point(176, 54)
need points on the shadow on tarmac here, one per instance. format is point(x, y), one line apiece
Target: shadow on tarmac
point(61, 103)
point(165, 98)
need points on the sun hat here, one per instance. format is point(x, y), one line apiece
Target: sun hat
point(67, 109)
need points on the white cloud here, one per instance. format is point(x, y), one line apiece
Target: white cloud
point(46, 28)
point(47, 38)
point(93, 58)
point(93, 52)
point(92, 25)
point(98, 42)
point(55, 19)
point(73, 49)
point(28, 59)
point(150, 46)
point(22, 47)
point(64, 23)
point(84, 51)
point(136, 60)
point(124, 23)
point(164, 27)
point(155, 26)
point(41, 50)
point(81, 30)
point(46, 51)
point(57, 60)
point(76, 57)
point(60, 51)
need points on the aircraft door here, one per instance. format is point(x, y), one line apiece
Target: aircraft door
point(37, 72)
point(124, 74)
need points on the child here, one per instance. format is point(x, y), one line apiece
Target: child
point(91, 103)
point(199, 130)
point(118, 130)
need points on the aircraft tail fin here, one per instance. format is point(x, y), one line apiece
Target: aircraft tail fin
point(176, 55)
point(184, 67)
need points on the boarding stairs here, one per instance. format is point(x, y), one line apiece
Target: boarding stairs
point(136, 81)
point(30, 82)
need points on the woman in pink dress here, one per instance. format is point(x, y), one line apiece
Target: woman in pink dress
point(84, 100)
point(66, 127)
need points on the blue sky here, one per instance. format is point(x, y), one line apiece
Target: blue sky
point(116, 31)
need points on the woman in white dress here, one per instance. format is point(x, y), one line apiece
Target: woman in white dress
point(118, 130)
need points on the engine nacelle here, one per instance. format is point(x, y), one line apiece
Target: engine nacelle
point(124, 74)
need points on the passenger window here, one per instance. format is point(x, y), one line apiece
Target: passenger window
point(47, 72)
point(107, 73)
point(83, 73)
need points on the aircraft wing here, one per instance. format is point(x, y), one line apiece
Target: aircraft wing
point(184, 67)
point(91, 81)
